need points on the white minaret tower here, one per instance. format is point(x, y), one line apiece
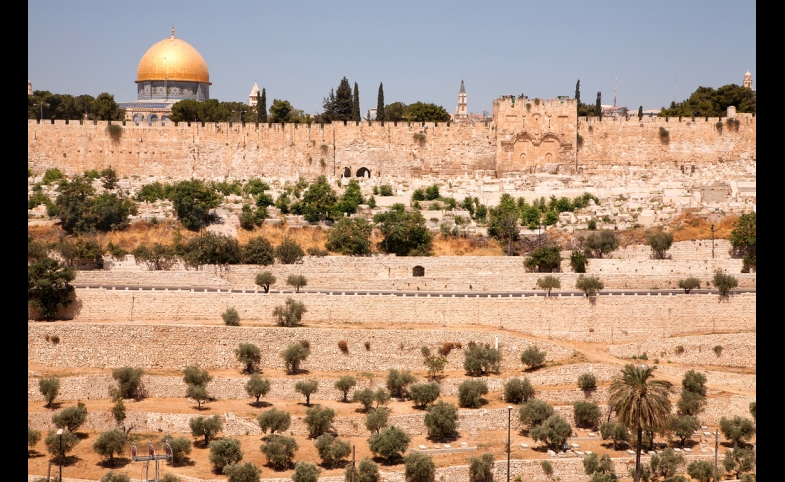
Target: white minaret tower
point(252, 95)
point(460, 112)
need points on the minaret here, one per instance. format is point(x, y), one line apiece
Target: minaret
point(460, 112)
point(747, 80)
point(252, 95)
point(29, 87)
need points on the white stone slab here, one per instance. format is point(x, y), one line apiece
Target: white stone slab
point(688, 450)
point(631, 452)
point(524, 446)
point(422, 447)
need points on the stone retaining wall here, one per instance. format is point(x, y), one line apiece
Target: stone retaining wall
point(177, 346)
point(738, 349)
point(606, 319)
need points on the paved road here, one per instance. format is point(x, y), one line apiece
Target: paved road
point(439, 294)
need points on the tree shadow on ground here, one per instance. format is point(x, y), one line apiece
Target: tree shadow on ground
point(118, 463)
point(186, 462)
point(261, 404)
point(34, 454)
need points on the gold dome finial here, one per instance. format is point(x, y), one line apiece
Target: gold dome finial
point(172, 30)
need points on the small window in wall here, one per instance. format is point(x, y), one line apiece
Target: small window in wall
point(347, 172)
point(418, 271)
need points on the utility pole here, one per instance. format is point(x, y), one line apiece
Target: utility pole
point(354, 451)
point(615, 84)
point(712, 241)
point(716, 452)
point(509, 441)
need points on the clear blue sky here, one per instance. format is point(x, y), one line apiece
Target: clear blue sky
point(419, 49)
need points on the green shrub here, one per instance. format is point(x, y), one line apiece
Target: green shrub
point(547, 468)
point(332, 450)
point(737, 429)
point(424, 394)
point(258, 251)
point(578, 261)
point(385, 190)
point(724, 282)
point(518, 390)
point(109, 443)
point(398, 383)
point(246, 472)
point(274, 420)
point(660, 242)
point(279, 451)
point(554, 431)
point(319, 420)
point(289, 252)
point(71, 418)
point(600, 243)
point(54, 443)
point(587, 414)
point(181, 447)
point(544, 259)
point(294, 355)
point(33, 436)
point(350, 236)
point(193, 375)
point(113, 476)
point(481, 468)
point(481, 360)
point(441, 420)
point(418, 467)
point(534, 412)
point(223, 452)
point(470, 393)
point(614, 431)
point(390, 443)
point(306, 472)
point(52, 175)
point(587, 382)
point(291, 314)
point(533, 357)
point(689, 284)
point(366, 471)
point(231, 317)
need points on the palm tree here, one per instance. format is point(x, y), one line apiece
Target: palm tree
point(639, 401)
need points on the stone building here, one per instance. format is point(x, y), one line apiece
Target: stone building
point(29, 87)
point(252, 96)
point(170, 71)
point(747, 80)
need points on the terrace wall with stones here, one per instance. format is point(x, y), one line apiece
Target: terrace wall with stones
point(737, 349)
point(451, 273)
point(606, 319)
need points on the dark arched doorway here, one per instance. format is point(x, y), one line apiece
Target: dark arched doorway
point(347, 172)
point(364, 172)
point(418, 271)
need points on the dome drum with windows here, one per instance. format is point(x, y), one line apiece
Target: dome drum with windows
point(170, 71)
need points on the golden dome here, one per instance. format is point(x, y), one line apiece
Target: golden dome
point(173, 59)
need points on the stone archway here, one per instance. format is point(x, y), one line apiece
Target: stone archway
point(346, 172)
point(364, 172)
point(153, 119)
point(418, 271)
point(138, 118)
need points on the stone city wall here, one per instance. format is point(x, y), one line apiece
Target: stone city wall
point(633, 142)
point(605, 319)
point(291, 150)
point(212, 347)
point(738, 349)
point(516, 142)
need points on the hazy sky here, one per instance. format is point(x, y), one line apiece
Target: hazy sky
point(420, 50)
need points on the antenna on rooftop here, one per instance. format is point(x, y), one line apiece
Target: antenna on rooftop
point(674, 89)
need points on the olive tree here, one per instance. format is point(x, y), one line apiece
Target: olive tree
point(390, 443)
point(689, 284)
point(274, 420)
point(660, 242)
point(246, 472)
point(534, 412)
point(290, 314)
point(366, 471)
point(375, 420)
point(470, 393)
point(279, 451)
point(481, 360)
point(181, 447)
point(587, 382)
point(257, 387)
point(265, 280)
point(331, 449)
point(419, 467)
point(441, 420)
point(129, 381)
point(344, 384)
point(518, 390)
point(724, 282)
point(294, 355)
point(614, 431)
point(223, 452)
point(533, 357)
point(554, 431)
point(481, 468)
point(71, 418)
point(306, 472)
point(424, 394)
point(587, 414)
point(297, 281)
point(54, 443)
point(738, 429)
point(590, 285)
point(249, 355)
point(307, 388)
point(319, 420)
point(49, 388)
point(548, 283)
point(600, 243)
point(398, 382)
point(207, 427)
point(109, 443)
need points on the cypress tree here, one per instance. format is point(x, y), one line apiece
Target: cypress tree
point(261, 106)
point(640, 113)
point(598, 106)
point(343, 101)
point(380, 103)
point(356, 104)
point(328, 115)
point(578, 92)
